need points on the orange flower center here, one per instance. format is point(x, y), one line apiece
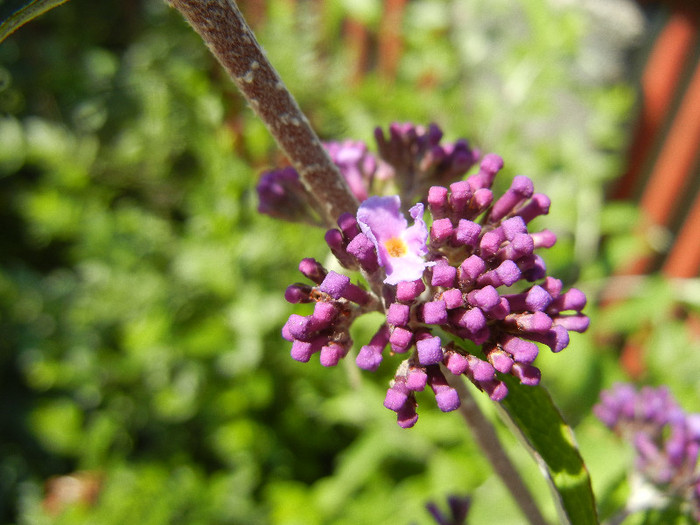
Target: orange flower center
point(396, 247)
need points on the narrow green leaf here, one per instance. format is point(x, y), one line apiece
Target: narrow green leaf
point(11, 19)
point(537, 421)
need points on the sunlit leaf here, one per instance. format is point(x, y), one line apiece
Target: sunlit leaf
point(539, 424)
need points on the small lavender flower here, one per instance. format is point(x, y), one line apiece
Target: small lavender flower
point(455, 283)
point(400, 250)
point(665, 438)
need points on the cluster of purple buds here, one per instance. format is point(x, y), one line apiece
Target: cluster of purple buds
point(410, 160)
point(666, 439)
point(439, 289)
point(419, 160)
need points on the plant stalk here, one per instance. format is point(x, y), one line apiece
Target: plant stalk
point(224, 30)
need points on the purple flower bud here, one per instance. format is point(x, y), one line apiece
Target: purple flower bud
point(363, 249)
point(521, 350)
point(396, 395)
point(406, 416)
point(485, 298)
point(482, 199)
point(312, 270)
point(472, 319)
point(455, 362)
point(408, 291)
point(400, 339)
point(335, 284)
point(513, 226)
point(460, 195)
point(298, 293)
point(336, 242)
point(470, 269)
point(398, 314)
point(506, 274)
point(536, 299)
point(556, 339)
point(490, 165)
point(348, 226)
point(480, 370)
point(522, 245)
point(538, 205)
point(444, 275)
point(467, 233)
point(573, 323)
point(497, 390)
point(441, 231)
point(435, 312)
point(500, 311)
point(356, 294)
point(573, 299)
point(500, 360)
point(370, 355)
point(533, 267)
point(544, 239)
point(490, 242)
point(429, 350)
point(453, 298)
point(324, 314)
point(286, 334)
point(331, 354)
point(447, 397)
point(527, 374)
point(416, 379)
point(520, 189)
point(303, 350)
point(538, 322)
point(300, 327)
point(437, 202)
point(368, 358)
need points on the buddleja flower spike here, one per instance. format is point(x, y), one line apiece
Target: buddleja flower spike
point(452, 278)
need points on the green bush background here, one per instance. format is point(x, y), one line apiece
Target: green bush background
point(141, 296)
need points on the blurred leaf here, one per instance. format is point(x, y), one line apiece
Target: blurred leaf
point(551, 441)
point(9, 23)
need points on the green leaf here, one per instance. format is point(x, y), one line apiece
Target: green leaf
point(537, 421)
point(16, 14)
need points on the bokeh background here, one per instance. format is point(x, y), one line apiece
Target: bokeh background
point(142, 373)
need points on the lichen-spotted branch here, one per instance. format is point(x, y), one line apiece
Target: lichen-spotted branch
point(223, 28)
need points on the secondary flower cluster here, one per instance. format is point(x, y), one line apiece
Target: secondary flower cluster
point(411, 159)
point(440, 288)
point(666, 439)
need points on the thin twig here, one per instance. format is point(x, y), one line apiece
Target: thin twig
point(222, 27)
point(485, 434)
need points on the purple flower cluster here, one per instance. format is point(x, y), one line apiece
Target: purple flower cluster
point(440, 287)
point(666, 439)
point(410, 160)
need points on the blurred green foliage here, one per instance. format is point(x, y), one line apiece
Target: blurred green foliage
point(141, 294)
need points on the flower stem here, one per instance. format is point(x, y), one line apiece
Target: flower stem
point(222, 27)
point(485, 435)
